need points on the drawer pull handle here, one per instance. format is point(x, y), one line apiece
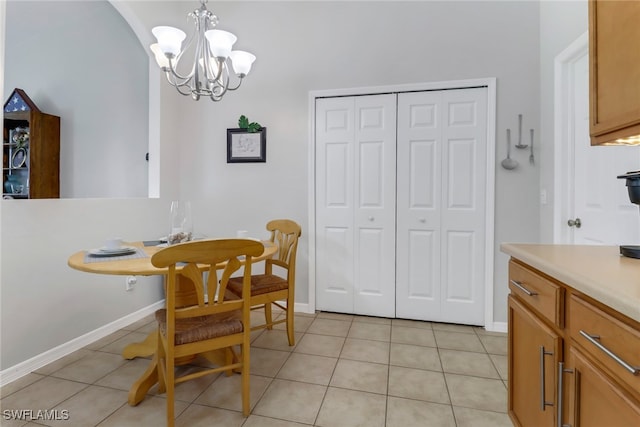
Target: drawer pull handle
point(543, 402)
point(522, 288)
point(561, 372)
point(593, 340)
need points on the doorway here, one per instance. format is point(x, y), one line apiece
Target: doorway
point(591, 204)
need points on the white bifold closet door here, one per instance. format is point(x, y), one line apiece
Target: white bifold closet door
point(441, 202)
point(400, 205)
point(356, 204)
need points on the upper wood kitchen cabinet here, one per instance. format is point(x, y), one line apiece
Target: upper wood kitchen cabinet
point(614, 56)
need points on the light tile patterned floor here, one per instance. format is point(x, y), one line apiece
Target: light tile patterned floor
point(345, 371)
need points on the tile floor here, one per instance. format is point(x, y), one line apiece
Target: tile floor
point(344, 371)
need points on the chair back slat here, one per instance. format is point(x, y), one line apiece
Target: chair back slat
point(192, 272)
point(285, 234)
point(231, 267)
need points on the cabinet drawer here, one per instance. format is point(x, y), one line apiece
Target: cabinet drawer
point(539, 293)
point(613, 343)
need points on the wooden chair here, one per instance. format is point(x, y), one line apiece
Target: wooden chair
point(211, 324)
point(269, 288)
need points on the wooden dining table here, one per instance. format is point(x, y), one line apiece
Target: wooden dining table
point(140, 265)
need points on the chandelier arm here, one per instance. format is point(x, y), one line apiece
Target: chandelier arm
point(237, 86)
point(173, 64)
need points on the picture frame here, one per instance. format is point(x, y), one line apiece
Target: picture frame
point(246, 147)
point(19, 158)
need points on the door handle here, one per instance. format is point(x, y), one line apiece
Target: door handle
point(593, 339)
point(574, 222)
point(543, 401)
point(561, 372)
point(520, 286)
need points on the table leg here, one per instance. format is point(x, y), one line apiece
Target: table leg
point(140, 388)
point(185, 295)
point(148, 347)
point(142, 349)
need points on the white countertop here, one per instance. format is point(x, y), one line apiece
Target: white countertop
point(597, 271)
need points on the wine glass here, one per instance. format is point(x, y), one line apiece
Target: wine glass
point(181, 223)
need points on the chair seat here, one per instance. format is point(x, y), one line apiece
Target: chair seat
point(260, 284)
point(203, 327)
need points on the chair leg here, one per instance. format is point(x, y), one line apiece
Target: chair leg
point(170, 382)
point(246, 407)
point(290, 328)
point(161, 364)
point(228, 360)
point(268, 316)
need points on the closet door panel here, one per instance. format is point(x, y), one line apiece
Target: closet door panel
point(460, 257)
point(419, 187)
point(375, 192)
point(463, 209)
point(355, 204)
point(441, 180)
point(335, 134)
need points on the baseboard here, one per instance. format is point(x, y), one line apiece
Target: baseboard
point(492, 327)
point(21, 369)
point(497, 327)
point(302, 308)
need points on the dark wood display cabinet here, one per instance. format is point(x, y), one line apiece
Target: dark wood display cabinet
point(30, 150)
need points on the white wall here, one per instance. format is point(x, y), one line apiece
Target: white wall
point(86, 65)
point(301, 46)
point(321, 45)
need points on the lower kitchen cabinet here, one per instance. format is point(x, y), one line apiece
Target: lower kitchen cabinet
point(573, 360)
point(595, 400)
point(535, 351)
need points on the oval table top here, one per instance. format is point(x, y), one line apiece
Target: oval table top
point(141, 266)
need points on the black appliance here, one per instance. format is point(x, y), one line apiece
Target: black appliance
point(633, 186)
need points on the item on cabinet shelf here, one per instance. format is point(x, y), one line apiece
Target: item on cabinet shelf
point(519, 144)
point(20, 137)
point(531, 158)
point(19, 158)
point(509, 163)
point(12, 183)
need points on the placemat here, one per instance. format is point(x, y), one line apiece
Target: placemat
point(139, 253)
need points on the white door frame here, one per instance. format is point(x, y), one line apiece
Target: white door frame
point(490, 83)
point(563, 132)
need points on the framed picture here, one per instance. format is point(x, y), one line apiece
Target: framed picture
point(246, 147)
point(19, 158)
